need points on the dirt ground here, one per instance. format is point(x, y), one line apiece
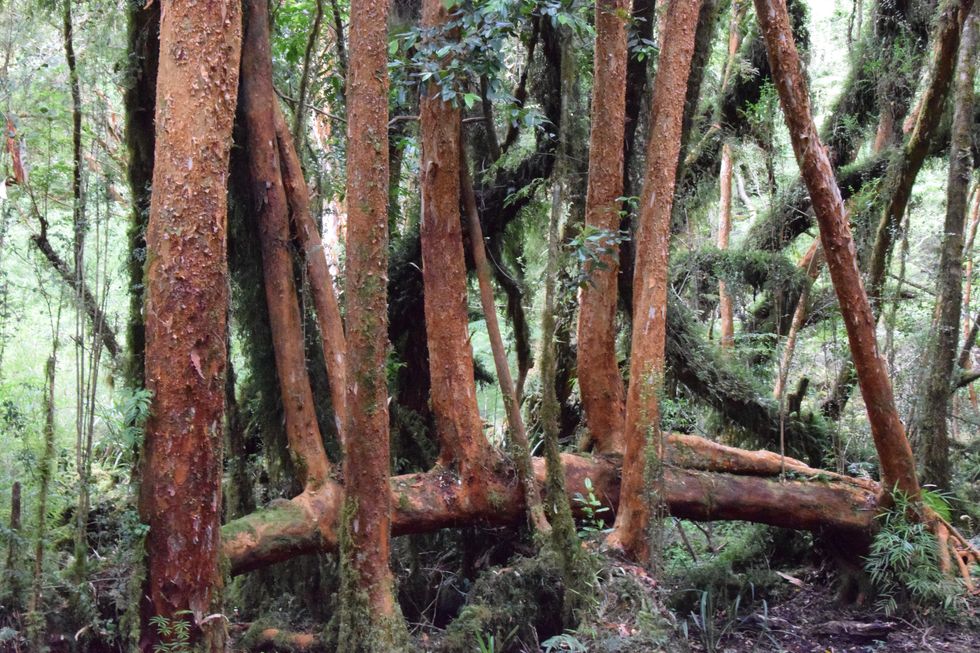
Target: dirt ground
point(810, 619)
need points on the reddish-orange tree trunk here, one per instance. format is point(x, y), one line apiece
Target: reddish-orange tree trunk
point(650, 278)
point(894, 452)
point(453, 394)
point(272, 211)
point(599, 379)
point(724, 231)
point(703, 480)
point(332, 337)
point(369, 619)
point(186, 307)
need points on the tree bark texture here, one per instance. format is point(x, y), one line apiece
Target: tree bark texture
point(463, 448)
point(933, 425)
point(650, 277)
point(186, 313)
point(703, 480)
point(331, 325)
point(894, 452)
point(369, 610)
point(272, 213)
point(600, 381)
point(966, 362)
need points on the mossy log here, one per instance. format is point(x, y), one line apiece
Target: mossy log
point(704, 480)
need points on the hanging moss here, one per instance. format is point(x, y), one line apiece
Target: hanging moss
point(735, 395)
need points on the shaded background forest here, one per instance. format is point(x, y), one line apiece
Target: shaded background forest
point(72, 402)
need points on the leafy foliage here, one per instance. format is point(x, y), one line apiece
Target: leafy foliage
point(903, 565)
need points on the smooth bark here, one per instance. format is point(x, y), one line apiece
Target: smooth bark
point(271, 209)
point(600, 381)
point(331, 325)
point(650, 280)
point(463, 448)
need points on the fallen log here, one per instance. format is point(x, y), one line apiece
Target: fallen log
point(715, 483)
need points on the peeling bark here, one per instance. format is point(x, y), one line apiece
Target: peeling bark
point(368, 620)
point(186, 312)
point(600, 381)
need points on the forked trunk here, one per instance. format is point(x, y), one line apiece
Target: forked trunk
point(331, 325)
point(272, 212)
point(463, 447)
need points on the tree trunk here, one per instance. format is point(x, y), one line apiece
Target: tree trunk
point(332, 337)
point(704, 480)
point(187, 304)
point(904, 169)
point(968, 289)
point(47, 470)
point(650, 280)
point(932, 425)
point(369, 618)
point(600, 381)
point(11, 573)
point(727, 330)
point(139, 98)
point(812, 262)
point(521, 450)
point(463, 448)
point(894, 452)
point(272, 213)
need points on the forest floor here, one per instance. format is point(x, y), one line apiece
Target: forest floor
point(811, 619)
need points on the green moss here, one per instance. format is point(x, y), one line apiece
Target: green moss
point(362, 629)
point(496, 501)
point(519, 606)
